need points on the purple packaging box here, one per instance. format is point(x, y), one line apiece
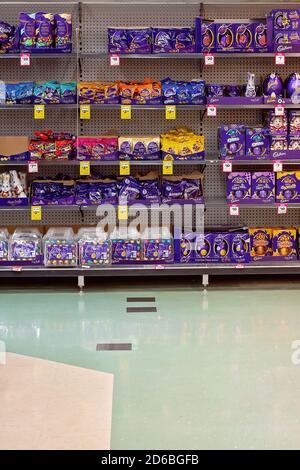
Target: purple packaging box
point(94, 253)
point(221, 247)
point(231, 141)
point(184, 245)
point(286, 38)
point(294, 122)
point(198, 34)
point(208, 36)
point(240, 247)
point(257, 142)
point(284, 244)
point(126, 250)
point(244, 40)
point(225, 37)
point(278, 125)
point(288, 186)
point(139, 40)
point(294, 146)
point(261, 244)
point(14, 201)
point(263, 187)
point(204, 248)
point(24, 250)
point(158, 250)
point(286, 19)
point(278, 147)
point(117, 41)
point(239, 187)
point(60, 253)
point(260, 37)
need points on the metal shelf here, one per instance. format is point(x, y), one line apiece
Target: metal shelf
point(13, 107)
point(261, 267)
point(40, 55)
point(114, 163)
point(187, 56)
point(212, 160)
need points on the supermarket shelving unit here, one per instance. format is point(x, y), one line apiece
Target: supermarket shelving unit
point(90, 61)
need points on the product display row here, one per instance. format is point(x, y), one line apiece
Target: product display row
point(281, 132)
point(279, 31)
point(263, 187)
point(93, 246)
point(254, 244)
point(51, 92)
point(37, 32)
point(179, 143)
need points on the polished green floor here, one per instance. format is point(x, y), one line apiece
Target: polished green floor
point(207, 371)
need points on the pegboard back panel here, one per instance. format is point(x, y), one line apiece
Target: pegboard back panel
point(98, 17)
point(243, 10)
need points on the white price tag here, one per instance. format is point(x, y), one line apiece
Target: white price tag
point(280, 58)
point(279, 110)
point(227, 167)
point(25, 60)
point(16, 269)
point(234, 209)
point(209, 59)
point(282, 209)
point(240, 266)
point(211, 110)
point(114, 60)
point(277, 166)
point(33, 167)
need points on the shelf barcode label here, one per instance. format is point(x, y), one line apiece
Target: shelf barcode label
point(125, 111)
point(114, 60)
point(122, 212)
point(280, 58)
point(227, 167)
point(209, 59)
point(282, 209)
point(36, 213)
point(168, 167)
point(211, 111)
point(33, 167)
point(85, 111)
point(39, 111)
point(85, 169)
point(277, 166)
point(25, 60)
point(279, 110)
point(234, 209)
point(170, 112)
point(125, 168)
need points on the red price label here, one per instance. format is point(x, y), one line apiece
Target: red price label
point(282, 209)
point(209, 59)
point(33, 167)
point(211, 110)
point(277, 166)
point(227, 167)
point(234, 209)
point(114, 60)
point(279, 110)
point(24, 60)
point(280, 58)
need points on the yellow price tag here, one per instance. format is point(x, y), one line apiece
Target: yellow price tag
point(124, 168)
point(85, 168)
point(170, 112)
point(85, 111)
point(39, 111)
point(36, 213)
point(123, 212)
point(167, 167)
point(125, 112)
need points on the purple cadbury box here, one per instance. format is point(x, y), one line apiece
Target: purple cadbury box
point(286, 20)
point(232, 141)
point(239, 187)
point(257, 142)
point(288, 187)
point(263, 187)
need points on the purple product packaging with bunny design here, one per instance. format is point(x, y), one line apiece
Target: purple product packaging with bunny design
point(263, 187)
point(239, 187)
